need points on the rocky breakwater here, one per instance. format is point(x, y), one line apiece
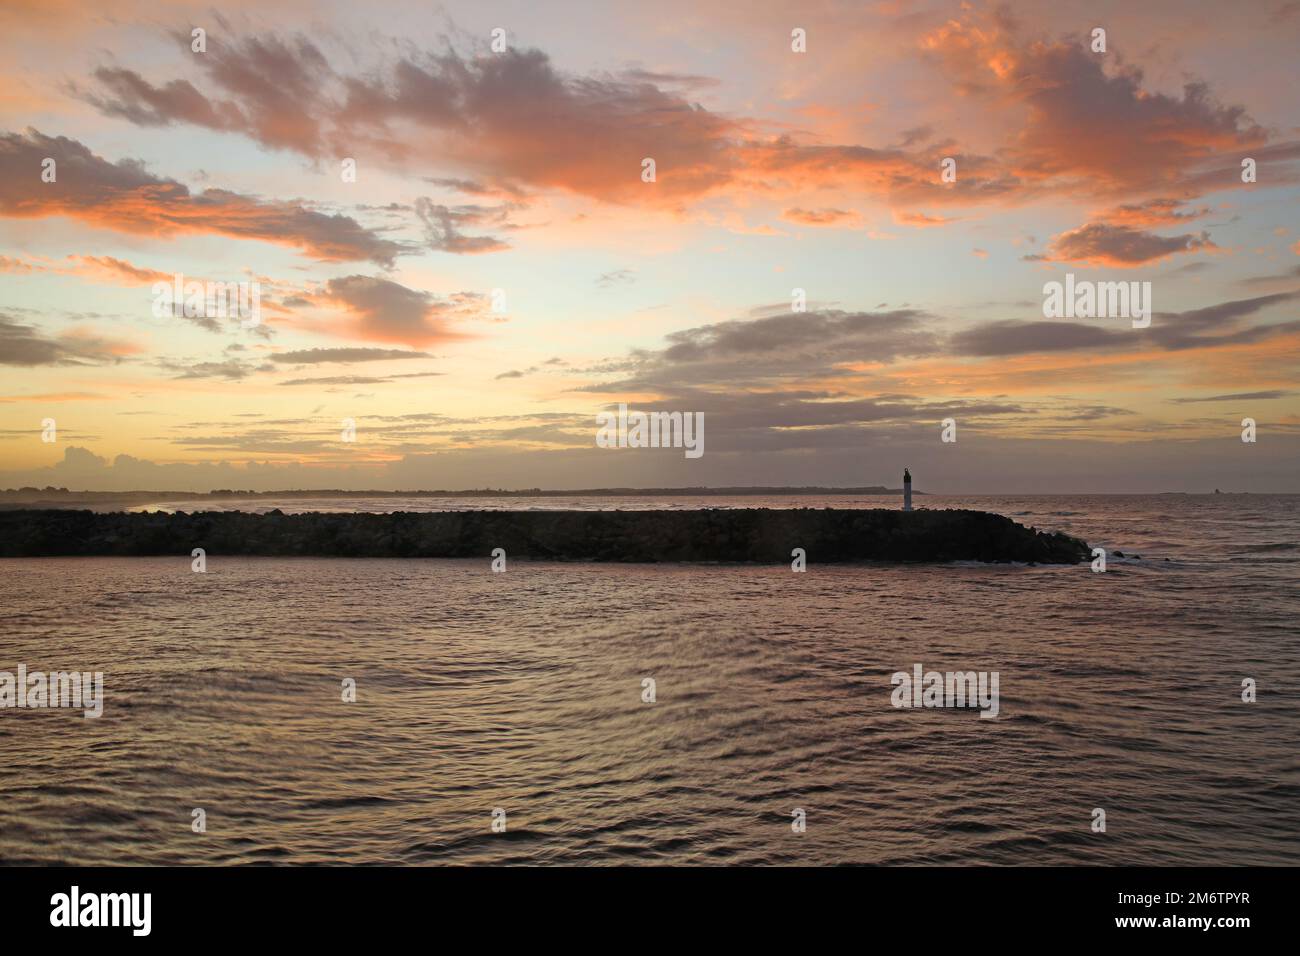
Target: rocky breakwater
point(760, 535)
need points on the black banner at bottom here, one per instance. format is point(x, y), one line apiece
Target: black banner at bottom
point(335, 905)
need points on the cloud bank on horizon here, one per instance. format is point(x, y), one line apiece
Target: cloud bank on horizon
point(828, 230)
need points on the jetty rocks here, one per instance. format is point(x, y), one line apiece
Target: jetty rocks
point(757, 535)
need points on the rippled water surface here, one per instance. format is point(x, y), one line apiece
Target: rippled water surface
point(523, 691)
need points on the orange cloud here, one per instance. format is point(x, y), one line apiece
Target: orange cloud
point(515, 123)
point(10, 264)
point(511, 118)
point(109, 269)
point(820, 217)
point(921, 220)
point(1152, 212)
point(1100, 131)
point(124, 197)
point(54, 397)
point(512, 123)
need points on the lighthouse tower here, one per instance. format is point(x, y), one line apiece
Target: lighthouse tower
point(907, 490)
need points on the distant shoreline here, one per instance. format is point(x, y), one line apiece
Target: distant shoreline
point(61, 497)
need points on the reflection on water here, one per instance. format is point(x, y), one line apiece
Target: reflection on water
point(523, 691)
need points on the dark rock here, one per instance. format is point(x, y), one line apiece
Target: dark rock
point(760, 535)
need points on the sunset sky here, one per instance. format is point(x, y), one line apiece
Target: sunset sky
point(521, 171)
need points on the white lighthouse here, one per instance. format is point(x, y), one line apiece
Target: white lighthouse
point(907, 490)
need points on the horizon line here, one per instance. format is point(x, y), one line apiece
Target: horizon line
point(682, 490)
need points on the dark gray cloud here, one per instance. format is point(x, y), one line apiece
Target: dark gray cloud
point(1206, 327)
point(772, 351)
point(1191, 268)
point(231, 369)
point(1091, 413)
point(26, 345)
point(1011, 337)
point(616, 277)
point(1289, 277)
point(1236, 397)
point(356, 379)
point(388, 311)
point(1218, 324)
point(442, 225)
point(277, 88)
point(472, 187)
point(873, 336)
point(344, 355)
point(1117, 245)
